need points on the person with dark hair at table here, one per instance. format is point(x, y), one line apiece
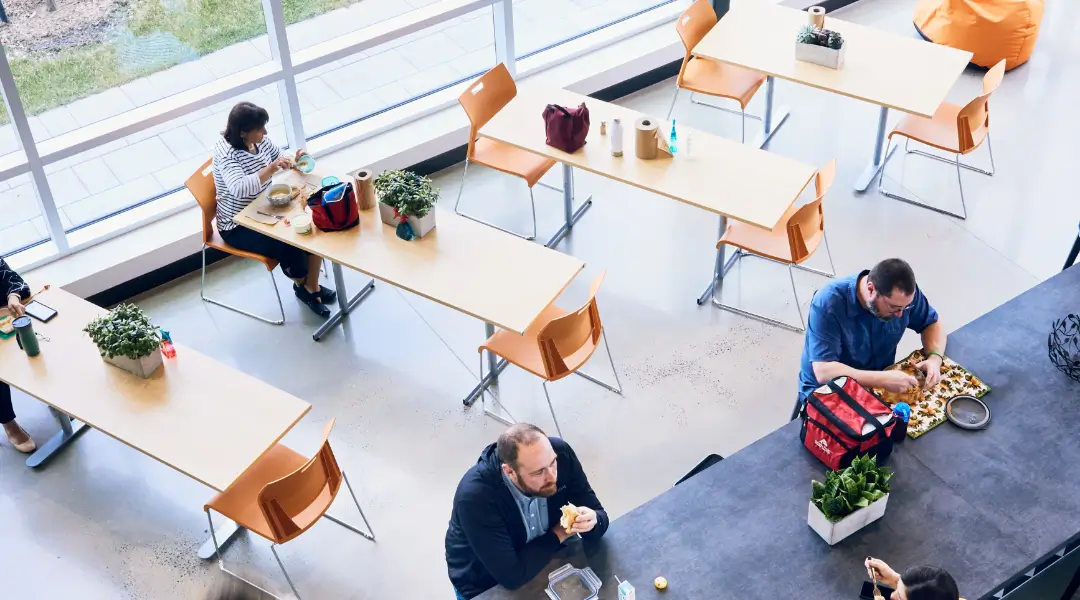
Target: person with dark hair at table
point(244, 161)
point(15, 293)
point(856, 323)
point(917, 583)
point(504, 527)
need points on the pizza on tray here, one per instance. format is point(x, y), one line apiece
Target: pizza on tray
point(928, 405)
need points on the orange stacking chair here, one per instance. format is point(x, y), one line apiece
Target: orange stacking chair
point(557, 344)
point(800, 231)
point(201, 185)
point(281, 496)
point(482, 101)
point(711, 77)
point(953, 128)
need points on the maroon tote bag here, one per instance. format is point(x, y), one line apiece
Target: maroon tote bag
point(566, 127)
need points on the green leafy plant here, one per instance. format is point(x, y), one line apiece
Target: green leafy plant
point(836, 41)
point(850, 489)
point(125, 331)
point(808, 34)
point(411, 194)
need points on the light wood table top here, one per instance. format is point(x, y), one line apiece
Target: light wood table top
point(196, 415)
point(880, 67)
point(467, 266)
point(722, 176)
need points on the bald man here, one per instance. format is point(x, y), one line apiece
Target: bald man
point(504, 528)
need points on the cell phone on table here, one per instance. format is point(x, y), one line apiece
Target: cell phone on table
point(40, 312)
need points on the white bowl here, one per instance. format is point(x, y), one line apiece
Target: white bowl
point(279, 194)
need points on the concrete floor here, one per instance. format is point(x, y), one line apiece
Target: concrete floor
point(103, 521)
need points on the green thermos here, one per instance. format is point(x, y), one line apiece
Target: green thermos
point(24, 334)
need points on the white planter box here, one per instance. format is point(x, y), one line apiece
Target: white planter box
point(834, 532)
point(421, 227)
point(820, 55)
point(386, 213)
point(144, 367)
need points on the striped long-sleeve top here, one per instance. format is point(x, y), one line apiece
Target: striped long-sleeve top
point(11, 283)
point(236, 175)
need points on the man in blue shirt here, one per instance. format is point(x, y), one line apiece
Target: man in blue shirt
point(856, 323)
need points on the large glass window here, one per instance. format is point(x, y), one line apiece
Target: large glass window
point(125, 173)
point(542, 24)
point(21, 222)
point(93, 59)
point(316, 21)
point(396, 72)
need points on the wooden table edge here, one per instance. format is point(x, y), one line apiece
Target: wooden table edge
point(277, 440)
point(244, 221)
point(813, 171)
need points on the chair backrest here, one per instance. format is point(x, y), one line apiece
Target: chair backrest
point(201, 185)
point(973, 122)
point(567, 342)
point(806, 227)
point(485, 98)
point(692, 25)
point(295, 502)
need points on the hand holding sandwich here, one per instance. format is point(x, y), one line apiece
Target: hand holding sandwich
point(576, 520)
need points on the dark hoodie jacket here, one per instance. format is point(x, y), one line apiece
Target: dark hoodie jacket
point(485, 542)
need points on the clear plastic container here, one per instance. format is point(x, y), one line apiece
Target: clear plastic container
point(570, 583)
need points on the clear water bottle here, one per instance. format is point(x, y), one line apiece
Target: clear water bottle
point(673, 140)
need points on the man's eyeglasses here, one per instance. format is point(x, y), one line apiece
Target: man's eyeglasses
point(896, 309)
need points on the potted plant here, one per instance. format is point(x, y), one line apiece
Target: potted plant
point(405, 197)
point(127, 339)
point(849, 500)
point(820, 46)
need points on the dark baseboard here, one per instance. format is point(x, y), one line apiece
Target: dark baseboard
point(148, 281)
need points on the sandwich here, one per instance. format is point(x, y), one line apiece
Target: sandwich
point(570, 513)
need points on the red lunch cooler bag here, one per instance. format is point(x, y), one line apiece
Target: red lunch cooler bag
point(842, 420)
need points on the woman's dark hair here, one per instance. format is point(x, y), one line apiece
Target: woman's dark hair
point(244, 117)
point(929, 583)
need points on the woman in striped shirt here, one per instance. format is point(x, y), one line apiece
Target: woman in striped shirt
point(244, 161)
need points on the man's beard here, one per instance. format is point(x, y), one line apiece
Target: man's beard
point(545, 492)
point(874, 311)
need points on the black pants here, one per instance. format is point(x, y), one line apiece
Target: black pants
point(293, 261)
point(7, 412)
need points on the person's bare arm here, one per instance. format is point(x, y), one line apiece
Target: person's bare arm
point(894, 381)
point(933, 341)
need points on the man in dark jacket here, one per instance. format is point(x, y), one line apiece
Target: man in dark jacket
point(504, 528)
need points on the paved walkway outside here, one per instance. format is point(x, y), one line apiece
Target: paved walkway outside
point(111, 177)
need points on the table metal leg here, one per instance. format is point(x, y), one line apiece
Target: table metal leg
point(720, 267)
point(570, 217)
point(69, 430)
point(224, 534)
point(770, 120)
point(867, 176)
point(495, 366)
point(345, 304)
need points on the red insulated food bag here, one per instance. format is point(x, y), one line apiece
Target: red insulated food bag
point(842, 420)
point(566, 127)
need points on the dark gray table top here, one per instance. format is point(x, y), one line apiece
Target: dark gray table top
point(984, 505)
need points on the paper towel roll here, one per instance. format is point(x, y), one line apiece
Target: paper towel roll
point(816, 14)
point(365, 191)
point(645, 138)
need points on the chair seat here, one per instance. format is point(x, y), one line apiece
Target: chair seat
point(715, 78)
point(218, 243)
point(241, 501)
point(940, 131)
point(770, 244)
point(524, 350)
point(508, 159)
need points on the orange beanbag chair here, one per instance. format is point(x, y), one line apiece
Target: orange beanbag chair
point(990, 29)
